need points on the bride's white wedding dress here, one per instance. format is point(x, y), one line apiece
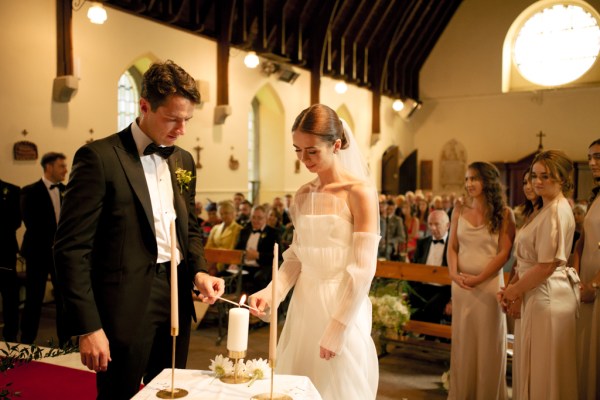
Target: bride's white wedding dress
point(329, 286)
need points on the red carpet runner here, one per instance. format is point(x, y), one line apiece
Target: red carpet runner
point(41, 381)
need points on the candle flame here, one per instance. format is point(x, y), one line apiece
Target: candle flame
point(243, 300)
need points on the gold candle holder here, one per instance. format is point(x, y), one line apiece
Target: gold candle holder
point(271, 395)
point(237, 377)
point(174, 393)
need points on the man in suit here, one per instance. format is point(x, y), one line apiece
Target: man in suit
point(40, 207)
point(257, 239)
point(392, 231)
point(430, 299)
point(113, 244)
point(10, 217)
point(244, 210)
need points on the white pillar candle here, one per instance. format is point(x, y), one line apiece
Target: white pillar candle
point(273, 326)
point(237, 330)
point(174, 294)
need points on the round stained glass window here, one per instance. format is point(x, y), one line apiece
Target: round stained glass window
point(557, 45)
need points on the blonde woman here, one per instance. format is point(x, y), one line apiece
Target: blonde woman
point(225, 234)
point(547, 288)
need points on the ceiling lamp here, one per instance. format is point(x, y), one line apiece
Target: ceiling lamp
point(341, 87)
point(397, 105)
point(251, 60)
point(97, 13)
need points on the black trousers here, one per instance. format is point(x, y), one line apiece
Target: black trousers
point(9, 288)
point(151, 350)
point(37, 270)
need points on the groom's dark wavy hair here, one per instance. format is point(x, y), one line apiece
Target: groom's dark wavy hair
point(165, 79)
point(322, 121)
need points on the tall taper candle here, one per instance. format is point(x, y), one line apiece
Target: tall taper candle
point(274, 305)
point(174, 298)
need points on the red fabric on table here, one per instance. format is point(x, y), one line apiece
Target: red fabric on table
point(37, 380)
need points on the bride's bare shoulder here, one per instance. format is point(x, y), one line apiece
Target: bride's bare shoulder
point(307, 188)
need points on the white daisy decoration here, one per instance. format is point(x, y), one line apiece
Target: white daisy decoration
point(258, 369)
point(221, 366)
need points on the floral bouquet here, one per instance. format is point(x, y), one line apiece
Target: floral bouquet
point(390, 308)
point(255, 369)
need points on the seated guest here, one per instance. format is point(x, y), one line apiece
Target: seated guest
point(392, 232)
point(287, 216)
point(274, 220)
point(243, 213)
point(430, 299)
point(212, 220)
point(237, 200)
point(257, 239)
point(223, 235)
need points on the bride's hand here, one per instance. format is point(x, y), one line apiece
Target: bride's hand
point(326, 354)
point(257, 303)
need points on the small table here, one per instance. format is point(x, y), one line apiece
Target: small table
point(201, 385)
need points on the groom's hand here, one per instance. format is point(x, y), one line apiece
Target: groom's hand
point(210, 287)
point(94, 350)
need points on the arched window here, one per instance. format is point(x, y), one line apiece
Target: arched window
point(551, 44)
point(128, 99)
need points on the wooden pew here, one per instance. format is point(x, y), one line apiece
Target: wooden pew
point(418, 273)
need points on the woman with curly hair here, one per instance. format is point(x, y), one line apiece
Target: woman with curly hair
point(547, 287)
point(480, 242)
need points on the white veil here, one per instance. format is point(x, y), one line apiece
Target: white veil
point(351, 159)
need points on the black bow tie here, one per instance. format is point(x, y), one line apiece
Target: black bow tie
point(256, 230)
point(435, 241)
point(60, 186)
point(164, 152)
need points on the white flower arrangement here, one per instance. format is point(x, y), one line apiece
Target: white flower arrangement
point(255, 369)
point(221, 366)
point(390, 308)
point(390, 312)
point(446, 380)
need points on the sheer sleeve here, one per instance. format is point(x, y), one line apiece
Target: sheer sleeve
point(286, 279)
point(356, 285)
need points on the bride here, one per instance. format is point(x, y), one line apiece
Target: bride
point(330, 264)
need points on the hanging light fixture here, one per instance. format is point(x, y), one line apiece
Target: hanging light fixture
point(97, 13)
point(251, 60)
point(398, 105)
point(341, 87)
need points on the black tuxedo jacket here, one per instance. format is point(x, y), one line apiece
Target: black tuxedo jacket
point(40, 222)
point(422, 251)
point(105, 251)
point(10, 221)
point(266, 241)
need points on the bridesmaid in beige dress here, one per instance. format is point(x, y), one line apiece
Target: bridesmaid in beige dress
point(480, 242)
point(586, 259)
point(548, 288)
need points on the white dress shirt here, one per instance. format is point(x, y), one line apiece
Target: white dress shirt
point(54, 196)
point(158, 179)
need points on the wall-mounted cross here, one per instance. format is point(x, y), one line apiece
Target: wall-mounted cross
point(540, 146)
point(198, 150)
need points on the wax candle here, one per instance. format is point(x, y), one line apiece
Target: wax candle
point(237, 330)
point(174, 298)
point(274, 306)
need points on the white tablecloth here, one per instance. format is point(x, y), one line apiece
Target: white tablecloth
point(201, 385)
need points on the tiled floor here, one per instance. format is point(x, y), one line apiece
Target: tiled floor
point(403, 375)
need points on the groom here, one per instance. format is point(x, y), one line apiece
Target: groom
point(113, 247)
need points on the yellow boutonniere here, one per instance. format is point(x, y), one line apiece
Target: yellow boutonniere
point(4, 192)
point(184, 178)
point(263, 235)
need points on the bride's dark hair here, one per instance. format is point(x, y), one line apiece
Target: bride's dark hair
point(322, 121)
